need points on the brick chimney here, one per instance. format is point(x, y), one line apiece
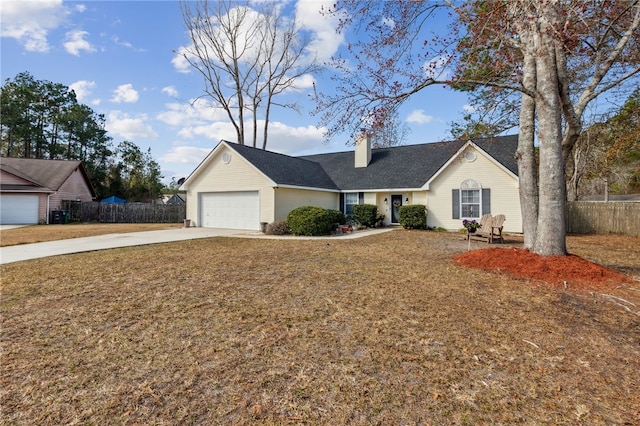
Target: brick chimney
point(363, 150)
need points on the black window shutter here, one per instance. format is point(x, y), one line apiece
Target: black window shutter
point(342, 206)
point(360, 197)
point(455, 203)
point(486, 200)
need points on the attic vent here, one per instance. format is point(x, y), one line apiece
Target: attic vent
point(226, 158)
point(470, 156)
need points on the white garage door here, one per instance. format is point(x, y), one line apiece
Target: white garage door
point(18, 209)
point(231, 210)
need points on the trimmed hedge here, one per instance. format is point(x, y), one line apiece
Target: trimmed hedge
point(413, 216)
point(366, 214)
point(310, 221)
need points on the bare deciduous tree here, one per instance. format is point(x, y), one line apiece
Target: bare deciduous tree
point(247, 58)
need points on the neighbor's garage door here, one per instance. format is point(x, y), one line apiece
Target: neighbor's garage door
point(231, 210)
point(18, 209)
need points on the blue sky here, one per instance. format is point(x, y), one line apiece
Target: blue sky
point(119, 58)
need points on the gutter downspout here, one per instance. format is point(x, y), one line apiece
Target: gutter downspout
point(48, 206)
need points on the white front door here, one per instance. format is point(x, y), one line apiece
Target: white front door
point(230, 210)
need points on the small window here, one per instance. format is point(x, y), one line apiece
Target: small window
point(470, 202)
point(350, 199)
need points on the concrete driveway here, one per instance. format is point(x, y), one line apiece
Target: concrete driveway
point(101, 242)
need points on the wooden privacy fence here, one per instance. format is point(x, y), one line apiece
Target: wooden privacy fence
point(597, 217)
point(125, 213)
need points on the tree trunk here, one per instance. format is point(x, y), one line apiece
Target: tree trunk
point(527, 168)
point(551, 230)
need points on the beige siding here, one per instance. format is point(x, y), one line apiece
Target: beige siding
point(237, 175)
point(385, 208)
point(74, 188)
point(288, 199)
point(504, 192)
point(9, 179)
point(43, 214)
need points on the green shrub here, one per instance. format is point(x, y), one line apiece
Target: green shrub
point(365, 214)
point(413, 216)
point(310, 221)
point(337, 217)
point(279, 227)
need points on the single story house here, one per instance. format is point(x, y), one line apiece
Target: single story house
point(30, 189)
point(240, 187)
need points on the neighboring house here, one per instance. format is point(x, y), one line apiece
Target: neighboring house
point(30, 189)
point(240, 187)
point(172, 199)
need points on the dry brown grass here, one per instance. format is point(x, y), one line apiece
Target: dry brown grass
point(382, 330)
point(41, 233)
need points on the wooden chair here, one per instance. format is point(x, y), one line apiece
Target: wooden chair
point(485, 227)
point(496, 228)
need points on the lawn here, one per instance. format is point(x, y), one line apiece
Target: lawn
point(42, 233)
point(386, 329)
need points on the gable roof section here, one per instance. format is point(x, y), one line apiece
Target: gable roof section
point(49, 175)
point(400, 167)
point(408, 166)
point(285, 170)
point(502, 149)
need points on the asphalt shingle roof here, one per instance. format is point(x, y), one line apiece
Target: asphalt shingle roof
point(408, 166)
point(286, 170)
point(48, 174)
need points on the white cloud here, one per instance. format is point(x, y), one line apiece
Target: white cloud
point(171, 91)
point(303, 140)
point(129, 127)
point(192, 113)
point(305, 81)
point(179, 62)
point(325, 40)
point(125, 93)
point(75, 42)
point(290, 140)
point(83, 89)
point(29, 22)
point(468, 108)
point(185, 155)
point(283, 138)
point(419, 117)
point(215, 131)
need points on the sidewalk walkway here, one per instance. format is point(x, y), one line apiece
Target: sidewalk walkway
point(22, 252)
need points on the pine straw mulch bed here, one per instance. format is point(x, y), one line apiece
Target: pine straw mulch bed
point(387, 329)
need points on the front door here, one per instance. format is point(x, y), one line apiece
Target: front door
point(396, 202)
